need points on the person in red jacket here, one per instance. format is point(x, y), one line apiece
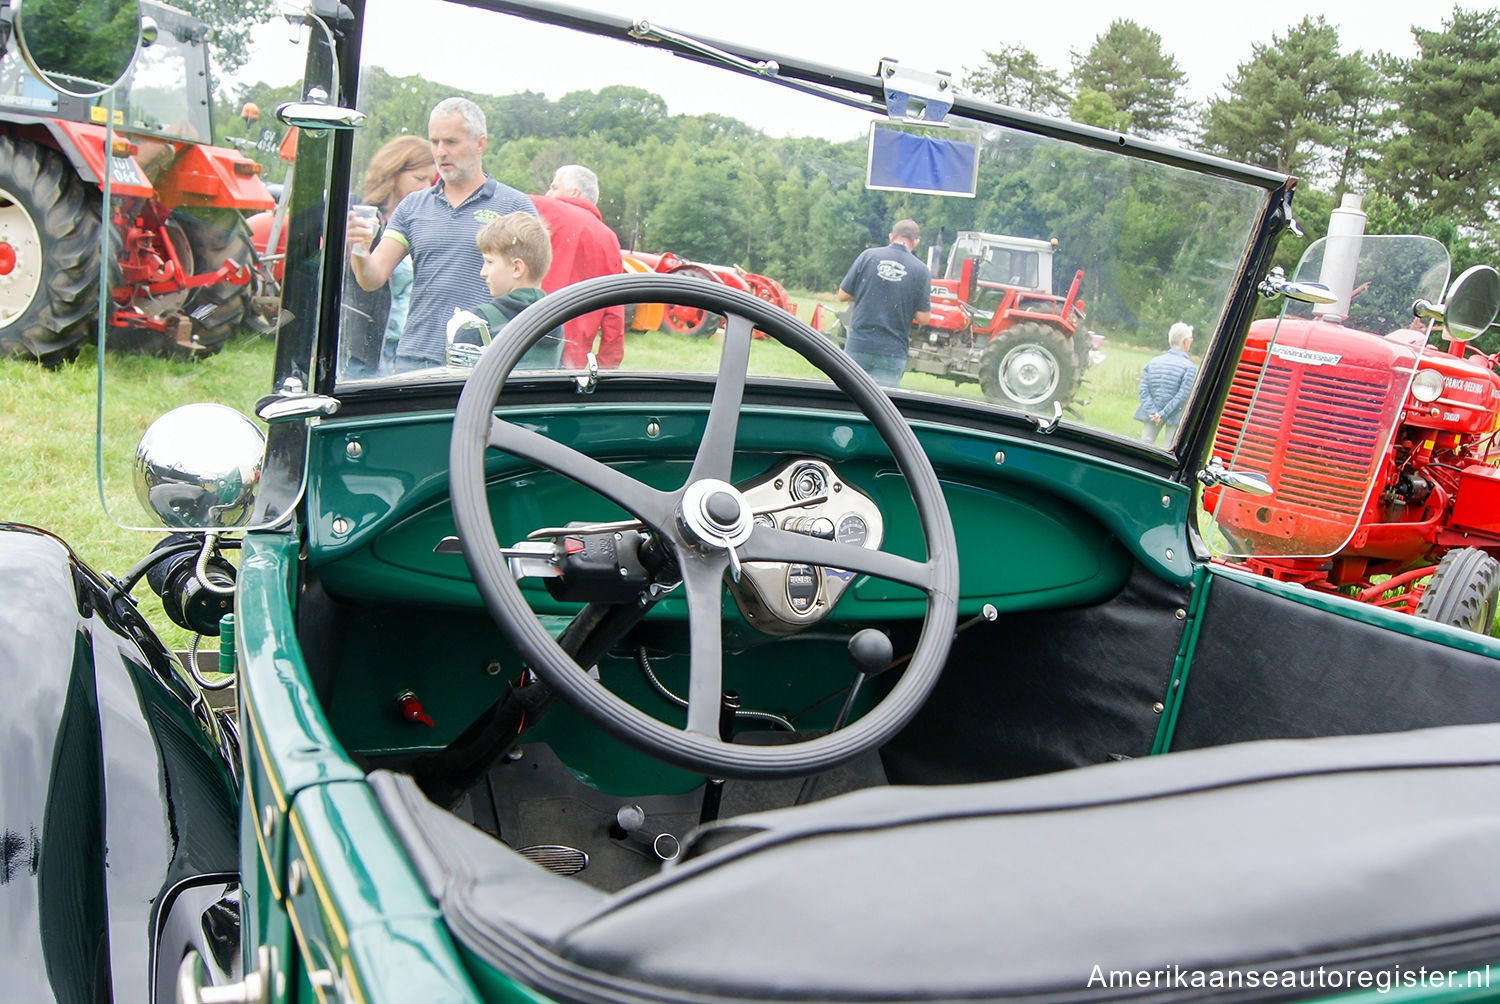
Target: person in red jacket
point(582, 247)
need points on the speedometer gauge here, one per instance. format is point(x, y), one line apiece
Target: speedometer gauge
point(852, 530)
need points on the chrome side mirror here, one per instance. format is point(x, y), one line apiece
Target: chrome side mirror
point(1276, 284)
point(1472, 305)
point(198, 467)
point(1217, 474)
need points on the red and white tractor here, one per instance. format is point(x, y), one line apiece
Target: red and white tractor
point(181, 263)
point(684, 320)
point(996, 321)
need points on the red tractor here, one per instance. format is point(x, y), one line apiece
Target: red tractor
point(183, 270)
point(1378, 449)
point(683, 320)
point(996, 321)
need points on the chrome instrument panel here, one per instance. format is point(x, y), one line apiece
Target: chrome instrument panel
point(782, 597)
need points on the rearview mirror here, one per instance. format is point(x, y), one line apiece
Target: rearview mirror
point(79, 47)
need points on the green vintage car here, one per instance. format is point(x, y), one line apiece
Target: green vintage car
point(723, 674)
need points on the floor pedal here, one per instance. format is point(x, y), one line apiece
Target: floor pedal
point(556, 858)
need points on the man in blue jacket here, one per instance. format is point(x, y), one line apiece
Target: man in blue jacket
point(1165, 385)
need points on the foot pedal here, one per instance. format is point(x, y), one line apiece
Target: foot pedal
point(556, 858)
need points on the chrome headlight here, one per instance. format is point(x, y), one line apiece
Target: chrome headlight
point(1427, 386)
point(199, 466)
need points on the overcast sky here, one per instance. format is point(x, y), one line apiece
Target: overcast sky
point(1208, 40)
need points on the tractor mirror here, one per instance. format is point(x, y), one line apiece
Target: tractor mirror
point(1473, 303)
point(79, 47)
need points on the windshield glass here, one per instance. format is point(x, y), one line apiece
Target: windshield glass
point(167, 89)
point(1318, 394)
point(1050, 288)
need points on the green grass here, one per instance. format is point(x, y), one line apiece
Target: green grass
point(47, 431)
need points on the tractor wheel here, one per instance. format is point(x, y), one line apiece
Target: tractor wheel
point(1463, 591)
point(690, 321)
point(218, 311)
point(49, 254)
point(1029, 366)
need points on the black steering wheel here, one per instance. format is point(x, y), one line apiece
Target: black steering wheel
point(700, 523)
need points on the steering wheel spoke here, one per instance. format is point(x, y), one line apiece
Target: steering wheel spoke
point(766, 544)
point(703, 584)
point(716, 452)
point(653, 507)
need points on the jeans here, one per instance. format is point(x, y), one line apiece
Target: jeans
point(884, 370)
point(1150, 430)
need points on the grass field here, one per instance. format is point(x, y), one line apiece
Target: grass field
point(47, 427)
point(47, 431)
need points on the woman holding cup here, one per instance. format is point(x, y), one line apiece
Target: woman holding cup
point(400, 167)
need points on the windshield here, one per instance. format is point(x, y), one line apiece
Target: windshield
point(756, 187)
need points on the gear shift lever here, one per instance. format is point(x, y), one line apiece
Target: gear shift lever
point(872, 653)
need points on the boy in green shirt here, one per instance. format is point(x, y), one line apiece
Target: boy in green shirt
point(516, 252)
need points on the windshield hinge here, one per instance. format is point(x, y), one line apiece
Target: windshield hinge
point(590, 379)
point(1217, 474)
point(292, 402)
point(933, 91)
point(1047, 426)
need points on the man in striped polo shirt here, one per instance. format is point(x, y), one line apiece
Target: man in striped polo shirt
point(437, 227)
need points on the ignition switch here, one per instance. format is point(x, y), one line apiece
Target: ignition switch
point(600, 568)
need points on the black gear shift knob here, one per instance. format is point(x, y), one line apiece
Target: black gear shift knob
point(871, 651)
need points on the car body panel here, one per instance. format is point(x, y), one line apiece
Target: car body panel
point(118, 795)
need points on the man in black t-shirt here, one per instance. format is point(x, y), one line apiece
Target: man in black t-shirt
point(890, 288)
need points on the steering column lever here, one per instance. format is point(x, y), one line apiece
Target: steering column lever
point(542, 533)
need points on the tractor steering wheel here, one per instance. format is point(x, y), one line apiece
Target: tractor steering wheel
point(700, 523)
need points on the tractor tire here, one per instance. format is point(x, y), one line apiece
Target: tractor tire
point(690, 321)
point(1029, 366)
point(1463, 591)
point(218, 311)
point(49, 254)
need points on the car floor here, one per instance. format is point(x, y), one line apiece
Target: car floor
point(538, 806)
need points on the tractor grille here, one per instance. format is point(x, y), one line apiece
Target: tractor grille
point(1315, 434)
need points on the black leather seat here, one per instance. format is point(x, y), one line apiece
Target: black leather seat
point(1355, 853)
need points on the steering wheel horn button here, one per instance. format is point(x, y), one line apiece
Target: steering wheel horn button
point(723, 509)
point(716, 514)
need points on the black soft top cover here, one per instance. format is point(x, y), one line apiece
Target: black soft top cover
point(1352, 854)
